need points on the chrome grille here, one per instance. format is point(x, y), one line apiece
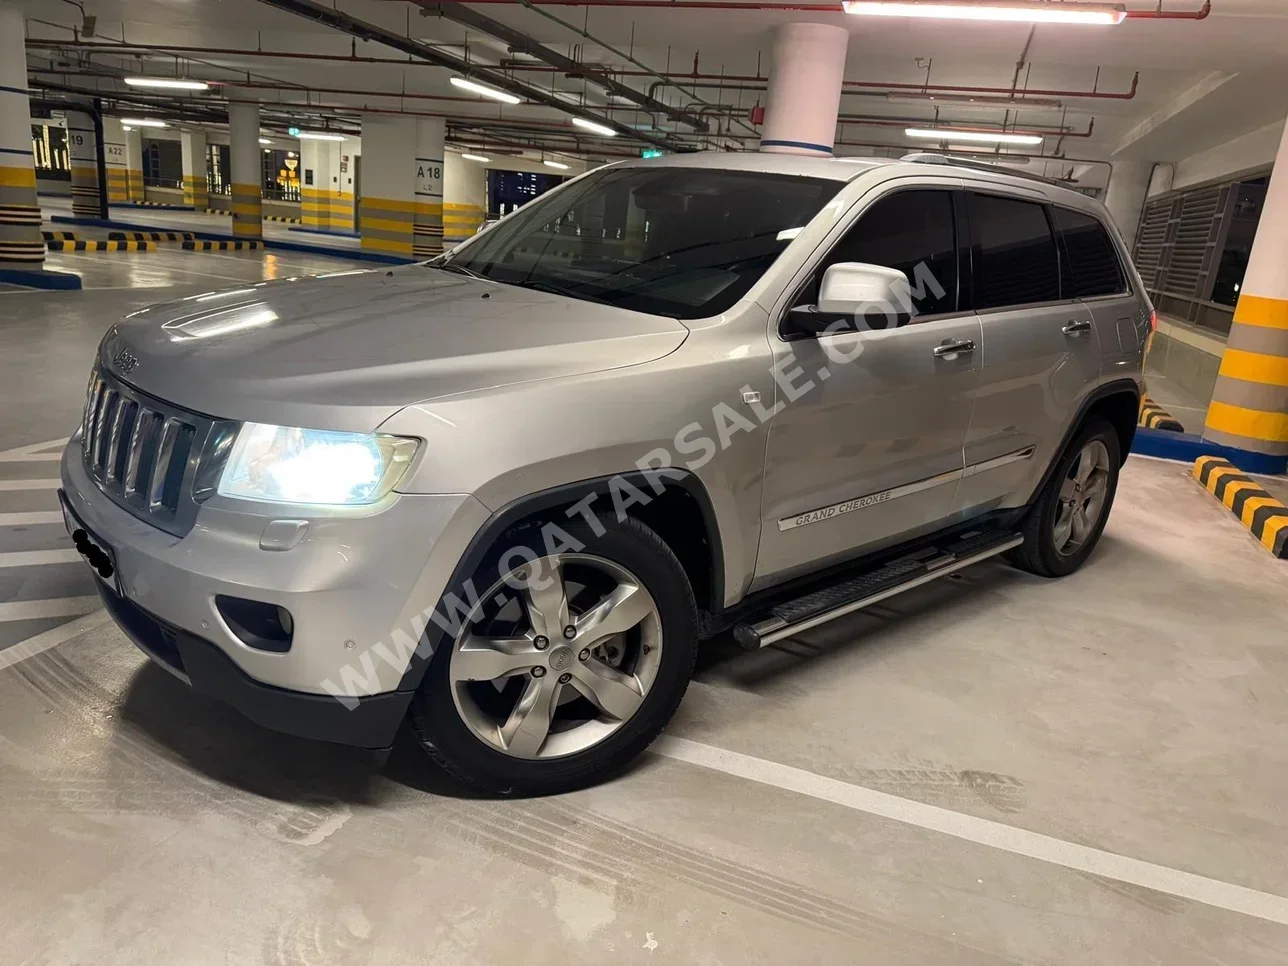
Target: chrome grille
point(146, 454)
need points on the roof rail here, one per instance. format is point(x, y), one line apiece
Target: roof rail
point(928, 157)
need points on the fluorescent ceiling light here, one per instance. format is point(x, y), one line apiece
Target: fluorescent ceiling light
point(319, 136)
point(594, 128)
point(982, 137)
point(168, 83)
point(126, 127)
point(1017, 11)
point(485, 91)
point(979, 100)
point(265, 141)
point(476, 157)
point(555, 164)
point(142, 122)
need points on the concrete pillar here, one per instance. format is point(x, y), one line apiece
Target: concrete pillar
point(134, 163)
point(247, 172)
point(1249, 408)
point(343, 202)
point(1125, 199)
point(315, 181)
point(327, 203)
point(387, 210)
point(428, 241)
point(114, 156)
point(805, 89)
point(21, 245)
point(83, 149)
point(464, 198)
point(195, 159)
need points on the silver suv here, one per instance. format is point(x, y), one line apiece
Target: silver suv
point(502, 495)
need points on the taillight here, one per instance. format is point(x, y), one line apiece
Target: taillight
point(1153, 320)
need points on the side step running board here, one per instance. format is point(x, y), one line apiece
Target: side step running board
point(856, 593)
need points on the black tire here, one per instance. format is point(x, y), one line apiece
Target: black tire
point(1038, 554)
point(448, 740)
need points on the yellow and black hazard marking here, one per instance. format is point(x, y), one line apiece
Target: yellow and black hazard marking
point(156, 236)
point(59, 235)
point(1154, 416)
point(221, 246)
point(102, 246)
point(218, 211)
point(1256, 509)
point(286, 218)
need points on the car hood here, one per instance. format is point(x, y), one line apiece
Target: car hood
point(345, 351)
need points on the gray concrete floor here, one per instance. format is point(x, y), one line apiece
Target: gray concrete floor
point(1138, 707)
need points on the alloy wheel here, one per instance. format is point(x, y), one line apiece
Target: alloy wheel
point(1083, 495)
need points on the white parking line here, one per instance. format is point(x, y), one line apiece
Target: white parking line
point(30, 457)
point(33, 448)
point(31, 519)
point(982, 831)
point(51, 638)
point(24, 610)
point(32, 558)
point(8, 485)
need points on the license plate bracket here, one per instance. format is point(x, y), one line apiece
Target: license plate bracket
point(96, 551)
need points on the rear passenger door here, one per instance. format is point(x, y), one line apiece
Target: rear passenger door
point(1041, 349)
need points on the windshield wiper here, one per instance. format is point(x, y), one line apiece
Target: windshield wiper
point(557, 290)
point(458, 269)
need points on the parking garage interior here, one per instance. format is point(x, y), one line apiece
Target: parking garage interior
point(991, 768)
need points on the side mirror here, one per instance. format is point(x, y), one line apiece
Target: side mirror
point(860, 289)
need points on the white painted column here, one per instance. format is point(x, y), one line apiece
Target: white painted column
point(805, 89)
point(1125, 199)
point(464, 198)
point(114, 156)
point(195, 155)
point(428, 240)
point(83, 149)
point(247, 168)
point(134, 163)
point(387, 206)
point(1249, 408)
point(21, 245)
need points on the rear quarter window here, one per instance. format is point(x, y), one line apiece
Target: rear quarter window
point(1091, 267)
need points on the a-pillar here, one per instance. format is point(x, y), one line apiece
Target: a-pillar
point(1249, 408)
point(21, 245)
point(428, 241)
point(1125, 199)
point(464, 197)
point(196, 191)
point(247, 170)
point(805, 89)
point(134, 163)
point(115, 160)
point(82, 147)
point(387, 210)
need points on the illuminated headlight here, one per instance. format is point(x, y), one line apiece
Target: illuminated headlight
point(285, 465)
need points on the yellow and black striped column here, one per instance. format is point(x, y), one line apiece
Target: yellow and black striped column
point(1249, 408)
point(428, 240)
point(116, 161)
point(195, 190)
point(134, 164)
point(247, 171)
point(21, 244)
point(388, 225)
point(82, 146)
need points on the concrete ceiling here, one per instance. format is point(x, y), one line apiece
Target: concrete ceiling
point(1200, 82)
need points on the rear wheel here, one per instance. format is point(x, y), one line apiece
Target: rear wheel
point(1066, 522)
point(568, 667)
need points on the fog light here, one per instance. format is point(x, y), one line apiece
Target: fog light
point(265, 627)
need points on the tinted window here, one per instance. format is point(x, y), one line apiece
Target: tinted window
point(906, 230)
point(1014, 254)
point(1092, 267)
point(683, 242)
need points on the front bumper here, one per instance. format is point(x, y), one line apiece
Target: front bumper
point(358, 577)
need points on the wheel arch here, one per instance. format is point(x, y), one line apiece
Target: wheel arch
point(677, 500)
point(1119, 403)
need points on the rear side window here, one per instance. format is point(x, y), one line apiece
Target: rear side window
point(1013, 253)
point(914, 232)
point(1092, 267)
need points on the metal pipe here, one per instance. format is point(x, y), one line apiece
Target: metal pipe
point(761, 84)
point(1200, 14)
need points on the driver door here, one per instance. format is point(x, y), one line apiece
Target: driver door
point(869, 451)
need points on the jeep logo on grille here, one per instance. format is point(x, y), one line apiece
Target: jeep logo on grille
point(125, 362)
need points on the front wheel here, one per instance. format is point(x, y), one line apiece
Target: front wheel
point(1066, 522)
point(570, 664)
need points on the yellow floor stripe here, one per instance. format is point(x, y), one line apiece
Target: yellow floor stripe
point(1251, 423)
point(1255, 367)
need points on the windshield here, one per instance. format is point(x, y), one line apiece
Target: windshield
point(682, 242)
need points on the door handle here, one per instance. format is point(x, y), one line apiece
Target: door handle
point(953, 348)
point(1074, 326)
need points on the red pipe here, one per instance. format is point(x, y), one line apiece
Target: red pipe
point(1160, 14)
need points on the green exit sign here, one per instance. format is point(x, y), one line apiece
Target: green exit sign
point(651, 153)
